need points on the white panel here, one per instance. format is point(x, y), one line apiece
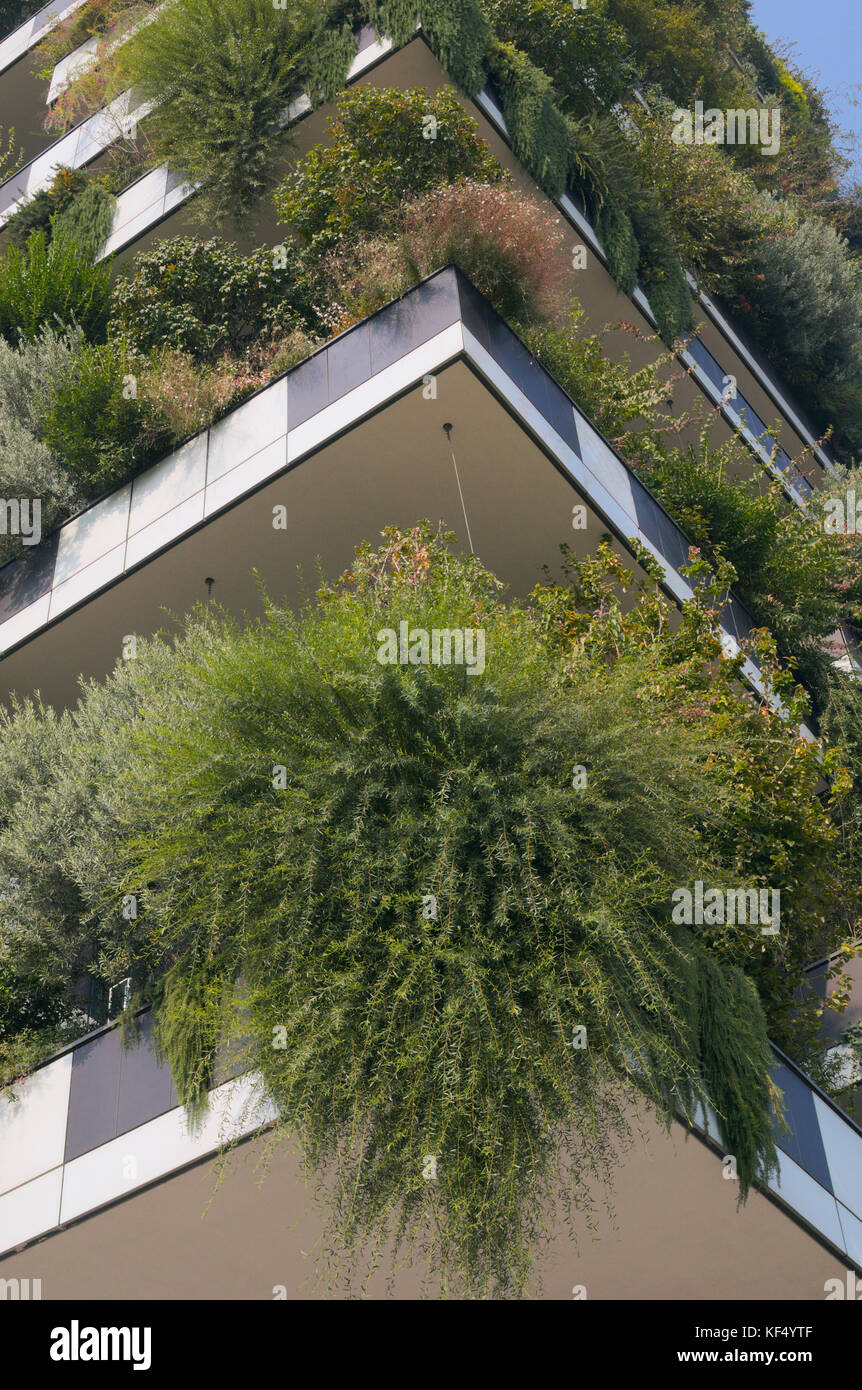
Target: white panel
point(852, 1228)
point(128, 231)
point(248, 429)
point(141, 195)
point(97, 134)
point(167, 528)
point(88, 581)
point(177, 195)
point(804, 1195)
point(583, 226)
point(93, 534)
point(606, 466)
point(74, 63)
point(33, 1127)
point(239, 480)
point(30, 1210)
point(30, 619)
point(167, 484)
point(42, 169)
point(16, 43)
point(159, 1147)
point(370, 55)
point(843, 1154)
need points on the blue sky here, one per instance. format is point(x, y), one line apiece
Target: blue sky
point(828, 38)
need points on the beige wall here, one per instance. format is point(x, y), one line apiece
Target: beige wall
point(677, 1234)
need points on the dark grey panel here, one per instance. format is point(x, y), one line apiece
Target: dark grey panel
point(804, 1143)
point(93, 1094)
point(476, 312)
point(707, 363)
point(409, 322)
point(561, 415)
point(649, 515)
point(742, 621)
point(349, 361)
point(27, 578)
point(511, 355)
point(365, 38)
point(753, 421)
point(307, 390)
point(782, 460)
point(674, 544)
point(146, 1089)
point(516, 360)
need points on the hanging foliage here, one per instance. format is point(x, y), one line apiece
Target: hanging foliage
point(457, 31)
point(459, 978)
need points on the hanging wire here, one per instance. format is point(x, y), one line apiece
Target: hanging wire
point(448, 429)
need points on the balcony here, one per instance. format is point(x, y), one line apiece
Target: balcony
point(323, 441)
point(99, 1124)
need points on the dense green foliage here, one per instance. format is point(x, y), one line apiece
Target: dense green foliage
point(36, 214)
point(94, 422)
point(456, 30)
point(383, 147)
point(28, 467)
point(206, 298)
point(583, 51)
point(301, 854)
point(51, 285)
point(541, 137)
point(806, 303)
point(222, 73)
point(660, 206)
point(87, 219)
point(796, 576)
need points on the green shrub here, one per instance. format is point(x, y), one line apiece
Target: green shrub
point(629, 213)
point(680, 48)
point(71, 205)
point(540, 134)
point(407, 1034)
point(506, 243)
point(610, 393)
point(94, 421)
point(87, 219)
point(582, 51)
point(617, 235)
point(51, 285)
point(286, 808)
point(222, 73)
point(28, 467)
point(376, 157)
point(180, 396)
point(802, 300)
point(38, 212)
point(718, 216)
point(457, 31)
point(206, 298)
point(796, 579)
